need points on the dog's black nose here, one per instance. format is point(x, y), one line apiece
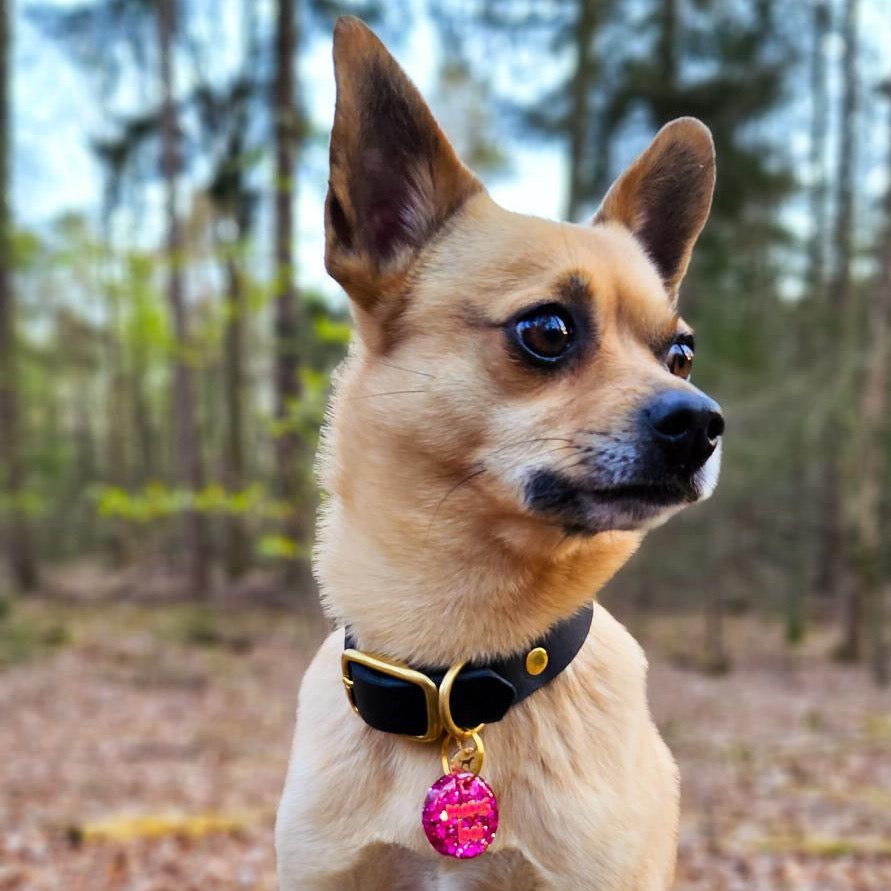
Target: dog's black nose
point(686, 425)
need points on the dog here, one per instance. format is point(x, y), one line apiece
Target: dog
point(514, 414)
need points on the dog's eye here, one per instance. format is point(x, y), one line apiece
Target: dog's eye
point(680, 360)
point(545, 333)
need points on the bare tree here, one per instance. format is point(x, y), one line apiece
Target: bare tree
point(582, 87)
point(818, 142)
point(188, 455)
point(809, 471)
point(12, 473)
point(834, 576)
point(840, 288)
point(872, 459)
point(237, 544)
point(287, 304)
point(227, 113)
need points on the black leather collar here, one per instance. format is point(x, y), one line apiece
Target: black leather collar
point(482, 693)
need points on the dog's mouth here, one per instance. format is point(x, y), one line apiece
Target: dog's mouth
point(583, 507)
point(659, 495)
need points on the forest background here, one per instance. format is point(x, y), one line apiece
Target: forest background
point(167, 336)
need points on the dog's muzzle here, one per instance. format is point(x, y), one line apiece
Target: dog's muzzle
point(669, 458)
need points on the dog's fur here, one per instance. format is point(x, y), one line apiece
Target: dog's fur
point(443, 536)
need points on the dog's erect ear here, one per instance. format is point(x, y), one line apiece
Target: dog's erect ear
point(664, 197)
point(394, 177)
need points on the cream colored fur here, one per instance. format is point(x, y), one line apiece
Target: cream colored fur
point(427, 549)
point(588, 791)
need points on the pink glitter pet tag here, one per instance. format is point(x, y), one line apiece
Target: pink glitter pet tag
point(460, 815)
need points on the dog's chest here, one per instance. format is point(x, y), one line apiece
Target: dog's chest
point(580, 774)
point(562, 803)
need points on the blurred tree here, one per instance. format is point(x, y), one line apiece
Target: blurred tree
point(226, 113)
point(818, 144)
point(834, 577)
point(127, 378)
point(872, 457)
point(582, 82)
point(187, 436)
point(289, 132)
point(144, 340)
point(12, 469)
point(570, 109)
point(812, 319)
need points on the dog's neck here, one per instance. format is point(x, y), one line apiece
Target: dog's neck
point(461, 587)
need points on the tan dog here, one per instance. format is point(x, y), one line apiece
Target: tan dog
point(514, 415)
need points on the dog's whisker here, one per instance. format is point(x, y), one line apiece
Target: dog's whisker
point(526, 442)
point(511, 468)
point(408, 370)
point(454, 488)
point(567, 463)
point(479, 471)
point(543, 454)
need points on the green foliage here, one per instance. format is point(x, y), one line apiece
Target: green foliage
point(158, 502)
point(332, 332)
point(278, 547)
point(145, 325)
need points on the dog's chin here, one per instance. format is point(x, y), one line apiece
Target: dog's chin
point(587, 507)
point(636, 508)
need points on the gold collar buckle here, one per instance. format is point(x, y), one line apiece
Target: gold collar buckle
point(402, 672)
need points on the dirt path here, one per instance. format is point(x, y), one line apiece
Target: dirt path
point(786, 764)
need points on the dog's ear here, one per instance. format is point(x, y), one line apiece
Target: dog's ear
point(664, 197)
point(394, 177)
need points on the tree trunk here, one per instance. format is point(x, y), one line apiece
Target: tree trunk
point(582, 87)
point(236, 556)
point(116, 398)
point(186, 444)
point(668, 43)
point(23, 566)
point(840, 291)
point(872, 460)
point(84, 440)
point(115, 446)
point(835, 576)
point(809, 482)
point(142, 420)
point(287, 309)
point(818, 189)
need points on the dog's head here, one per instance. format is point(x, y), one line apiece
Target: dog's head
point(522, 370)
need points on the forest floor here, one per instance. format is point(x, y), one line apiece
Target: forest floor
point(143, 748)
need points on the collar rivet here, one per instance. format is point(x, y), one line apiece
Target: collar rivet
point(536, 661)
